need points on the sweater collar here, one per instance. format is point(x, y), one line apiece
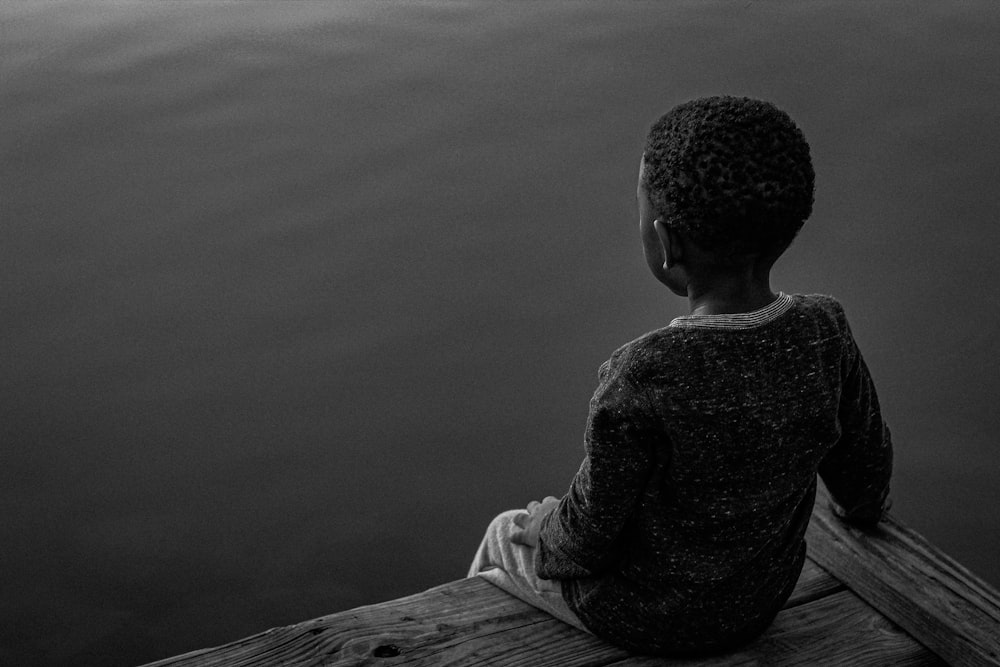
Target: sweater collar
point(750, 320)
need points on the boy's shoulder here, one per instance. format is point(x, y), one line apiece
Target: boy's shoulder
point(820, 302)
point(668, 345)
point(823, 307)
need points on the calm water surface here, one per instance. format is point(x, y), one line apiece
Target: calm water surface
point(296, 297)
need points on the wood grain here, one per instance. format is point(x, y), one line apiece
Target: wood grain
point(950, 610)
point(838, 629)
point(814, 583)
point(470, 622)
point(880, 597)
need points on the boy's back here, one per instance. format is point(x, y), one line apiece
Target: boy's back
point(683, 530)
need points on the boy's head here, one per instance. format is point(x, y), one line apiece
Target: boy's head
point(731, 175)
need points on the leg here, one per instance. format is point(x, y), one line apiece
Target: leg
point(511, 567)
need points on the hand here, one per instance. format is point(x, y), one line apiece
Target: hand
point(528, 523)
point(863, 515)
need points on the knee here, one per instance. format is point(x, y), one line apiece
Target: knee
point(505, 519)
point(502, 524)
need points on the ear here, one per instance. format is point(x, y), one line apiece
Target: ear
point(673, 246)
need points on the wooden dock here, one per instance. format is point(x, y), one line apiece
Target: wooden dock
point(879, 597)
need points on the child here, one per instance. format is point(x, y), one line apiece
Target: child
point(682, 532)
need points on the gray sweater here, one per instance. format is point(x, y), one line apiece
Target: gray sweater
point(682, 532)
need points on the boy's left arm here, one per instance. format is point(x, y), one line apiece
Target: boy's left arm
point(579, 537)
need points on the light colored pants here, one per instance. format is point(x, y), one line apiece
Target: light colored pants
point(511, 567)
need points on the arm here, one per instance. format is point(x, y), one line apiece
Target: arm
point(857, 469)
point(579, 537)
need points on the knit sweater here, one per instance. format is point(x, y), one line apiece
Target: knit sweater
point(683, 531)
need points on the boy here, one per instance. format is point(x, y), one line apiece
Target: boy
point(682, 532)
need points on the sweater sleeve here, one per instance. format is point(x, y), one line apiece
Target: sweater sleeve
point(579, 537)
point(858, 467)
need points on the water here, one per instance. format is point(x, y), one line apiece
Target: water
point(297, 296)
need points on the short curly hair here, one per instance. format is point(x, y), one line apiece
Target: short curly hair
point(733, 174)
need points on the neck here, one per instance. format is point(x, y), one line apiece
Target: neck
point(740, 293)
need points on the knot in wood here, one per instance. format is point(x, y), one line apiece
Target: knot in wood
point(386, 651)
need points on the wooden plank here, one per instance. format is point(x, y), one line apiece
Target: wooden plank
point(470, 622)
point(950, 610)
point(838, 629)
point(465, 622)
point(814, 583)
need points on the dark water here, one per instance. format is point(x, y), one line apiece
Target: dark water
point(296, 296)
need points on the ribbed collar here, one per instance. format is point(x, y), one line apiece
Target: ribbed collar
point(755, 318)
